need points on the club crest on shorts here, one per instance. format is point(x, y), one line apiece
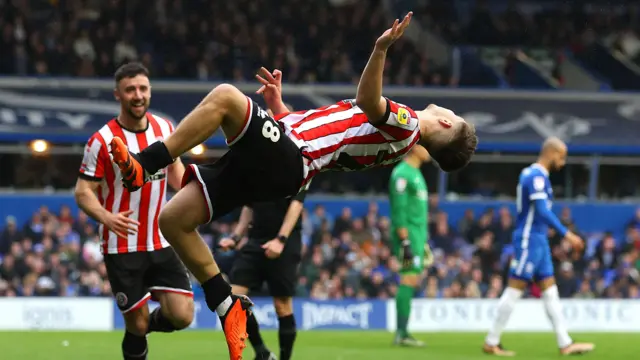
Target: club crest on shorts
point(121, 299)
point(403, 116)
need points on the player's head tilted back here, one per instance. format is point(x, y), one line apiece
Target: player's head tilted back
point(449, 139)
point(133, 90)
point(553, 154)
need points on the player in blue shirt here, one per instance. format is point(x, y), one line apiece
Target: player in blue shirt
point(532, 259)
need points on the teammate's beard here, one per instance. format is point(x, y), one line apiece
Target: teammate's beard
point(135, 116)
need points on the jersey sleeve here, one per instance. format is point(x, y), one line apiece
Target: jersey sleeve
point(536, 186)
point(94, 160)
point(399, 122)
point(399, 198)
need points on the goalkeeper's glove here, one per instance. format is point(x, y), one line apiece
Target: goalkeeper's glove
point(428, 256)
point(407, 254)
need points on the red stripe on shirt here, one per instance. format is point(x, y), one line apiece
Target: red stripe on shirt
point(145, 199)
point(109, 175)
point(157, 245)
point(322, 113)
point(116, 130)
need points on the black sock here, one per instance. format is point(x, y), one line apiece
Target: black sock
point(155, 157)
point(134, 347)
point(216, 290)
point(253, 329)
point(286, 336)
point(159, 323)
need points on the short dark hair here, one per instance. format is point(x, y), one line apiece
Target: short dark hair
point(130, 70)
point(457, 153)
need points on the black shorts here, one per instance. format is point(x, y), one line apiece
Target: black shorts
point(262, 164)
point(135, 276)
point(252, 268)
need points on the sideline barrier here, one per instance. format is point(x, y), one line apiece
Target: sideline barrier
point(310, 315)
point(42, 313)
point(464, 315)
point(528, 316)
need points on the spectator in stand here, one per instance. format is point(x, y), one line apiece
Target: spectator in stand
point(199, 40)
point(10, 234)
point(58, 259)
point(607, 253)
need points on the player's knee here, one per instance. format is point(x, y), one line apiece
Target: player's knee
point(221, 96)
point(283, 306)
point(547, 282)
point(182, 317)
point(171, 223)
point(517, 283)
point(166, 223)
point(183, 213)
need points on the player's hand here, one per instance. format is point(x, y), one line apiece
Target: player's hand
point(227, 244)
point(273, 248)
point(391, 35)
point(121, 224)
point(428, 256)
point(271, 88)
point(407, 255)
point(575, 240)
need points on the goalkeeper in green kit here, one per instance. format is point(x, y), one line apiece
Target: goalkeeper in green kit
point(409, 211)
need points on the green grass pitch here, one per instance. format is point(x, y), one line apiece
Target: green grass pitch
point(317, 345)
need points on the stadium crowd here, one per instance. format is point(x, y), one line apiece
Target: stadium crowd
point(344, 257)
point(221, 40)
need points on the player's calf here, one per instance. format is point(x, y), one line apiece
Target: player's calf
point(287, 331)
point(178, 221)
point(174, 313)
point(158, 322)
point(134, 343)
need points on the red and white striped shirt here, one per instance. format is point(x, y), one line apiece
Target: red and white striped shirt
point(145, 202)
point(339, 137)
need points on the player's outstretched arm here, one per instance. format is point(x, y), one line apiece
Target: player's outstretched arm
point(369, 95)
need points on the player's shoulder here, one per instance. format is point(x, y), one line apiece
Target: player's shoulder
point(104, 134)
point(531, 171)
point(400, 108)
point(533, 175)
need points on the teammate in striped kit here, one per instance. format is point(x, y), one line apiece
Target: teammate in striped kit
point(263, 164)
point(140, 263)
point(532, 260)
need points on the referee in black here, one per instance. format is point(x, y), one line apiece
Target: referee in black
point(271, 254)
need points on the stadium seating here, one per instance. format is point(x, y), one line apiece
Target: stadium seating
point(344, 257)
point(91, 41)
